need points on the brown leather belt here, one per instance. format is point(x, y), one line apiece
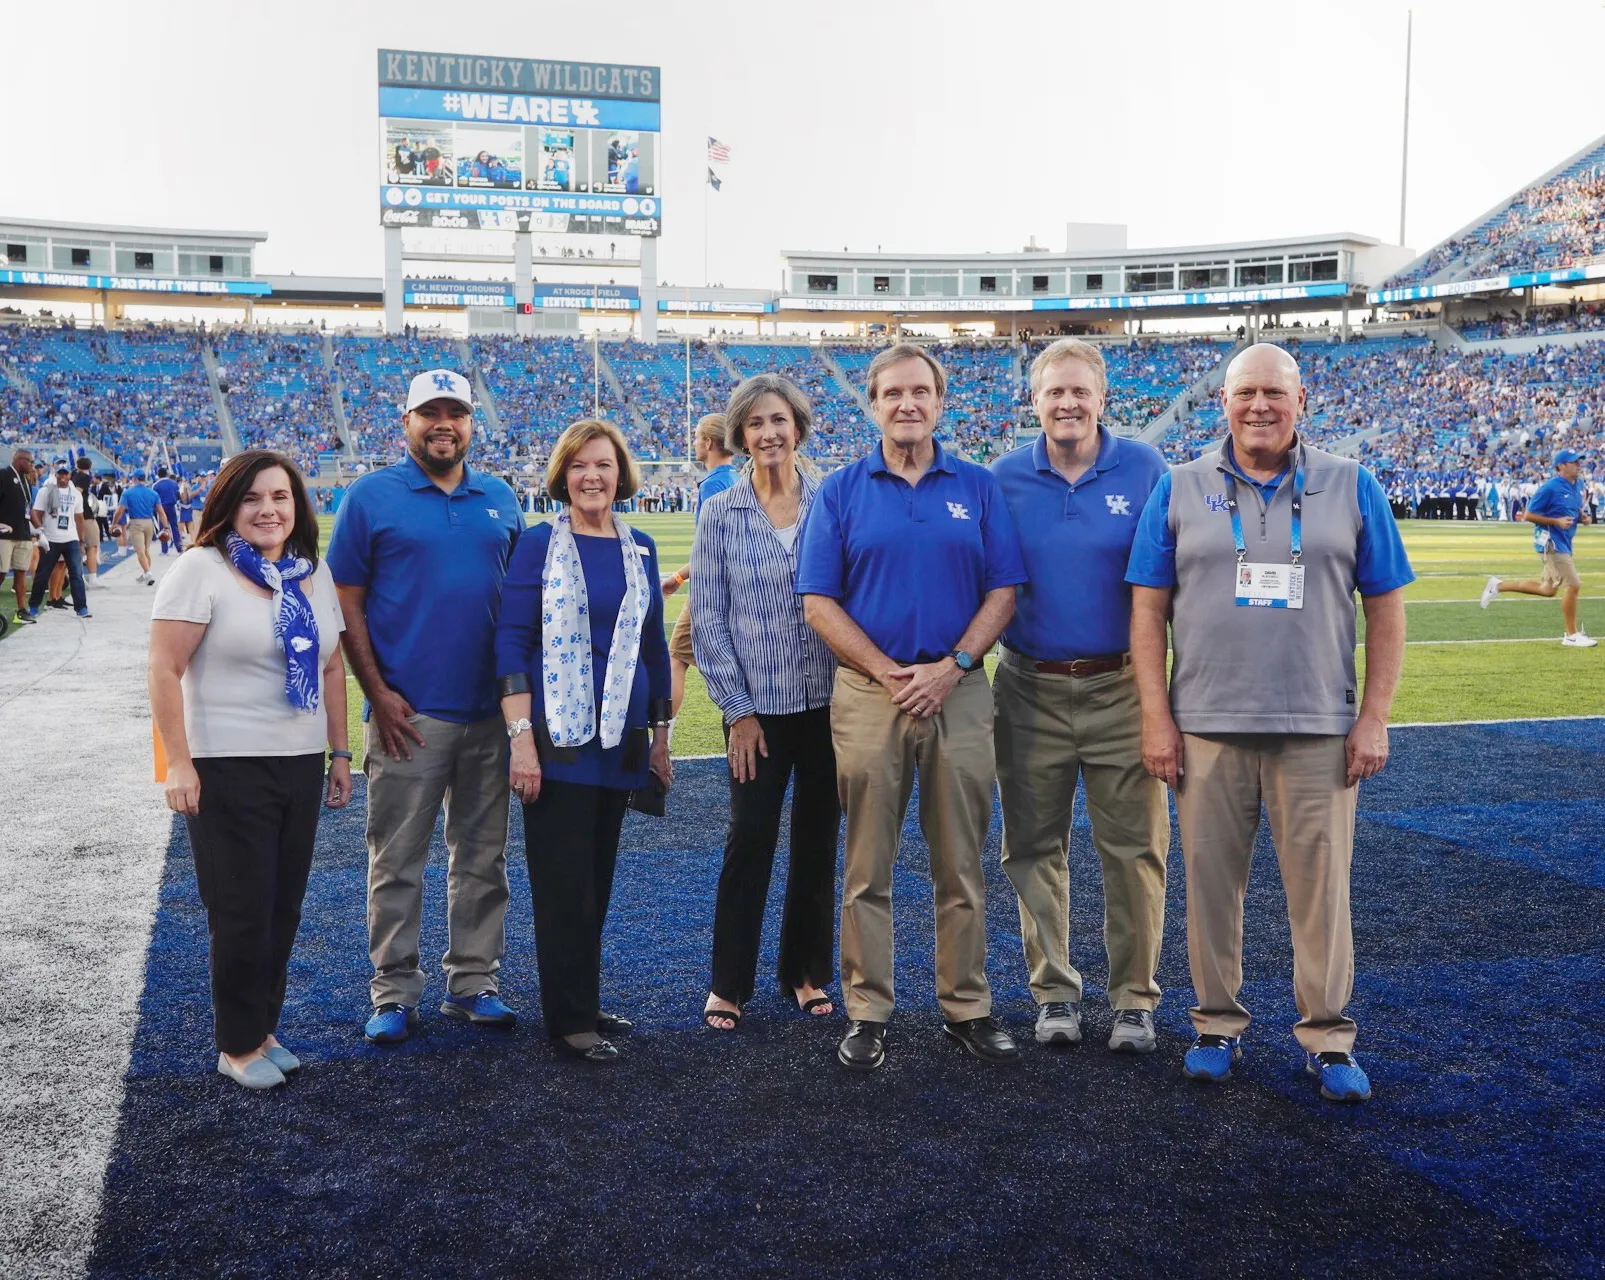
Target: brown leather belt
point(1098, 665)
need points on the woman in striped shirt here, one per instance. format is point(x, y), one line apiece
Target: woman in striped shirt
point(771, 677)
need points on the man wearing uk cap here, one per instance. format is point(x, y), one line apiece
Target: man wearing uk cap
point(418, 555)
point(1556, 509)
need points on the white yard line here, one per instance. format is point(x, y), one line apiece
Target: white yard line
point(86, 837)
point(1443, 724)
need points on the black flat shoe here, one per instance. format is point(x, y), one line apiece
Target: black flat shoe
point(863, 1048)
point(601, 1051)
point(610, 1024)
point(984, 1038)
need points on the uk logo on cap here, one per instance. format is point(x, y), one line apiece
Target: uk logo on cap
point(439, 384)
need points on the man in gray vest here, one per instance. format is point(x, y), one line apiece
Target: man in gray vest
point(1253, 553)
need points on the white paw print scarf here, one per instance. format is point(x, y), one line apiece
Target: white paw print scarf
point(566, 674)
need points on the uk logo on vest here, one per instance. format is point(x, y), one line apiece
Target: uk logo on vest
point(1217, 502)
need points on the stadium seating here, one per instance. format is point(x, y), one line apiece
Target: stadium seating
point(540, 385)
point(1557, 223)
point(1443, 416)
point(374, 373)
point(654, 380)
point(279, 392)
point(119, 391)
point(1538, 322)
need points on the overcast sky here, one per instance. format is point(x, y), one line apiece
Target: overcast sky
point(922, 127)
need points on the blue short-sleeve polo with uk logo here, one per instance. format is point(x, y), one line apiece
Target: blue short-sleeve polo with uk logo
point(432, 564)
point(1076, 540)
point(910, 564)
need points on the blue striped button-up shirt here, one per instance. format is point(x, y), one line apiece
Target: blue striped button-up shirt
point(753, 648)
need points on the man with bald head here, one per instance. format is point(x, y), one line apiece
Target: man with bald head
point(1253, 553)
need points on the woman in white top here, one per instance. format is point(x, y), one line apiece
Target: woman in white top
point(247, 685)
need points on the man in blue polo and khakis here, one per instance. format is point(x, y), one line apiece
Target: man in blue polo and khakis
point(1556, 509)
point(908, 569)
point(418, 555)
point(1253, 554)
point(1067, 703)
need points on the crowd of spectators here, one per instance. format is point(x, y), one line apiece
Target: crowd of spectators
point(653, 378)
point(115, 390)
point(1573, 317)
point(374, 373)
point(1553, 224)
point(1440, 424)
point(279, 392)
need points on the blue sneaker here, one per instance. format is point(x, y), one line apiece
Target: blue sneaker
point(1212, 1058)
point(84, 613)
point(1340, 1075)
point(485, 1009)
point(390, 1023)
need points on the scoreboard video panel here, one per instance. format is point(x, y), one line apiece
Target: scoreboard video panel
point(506, 144)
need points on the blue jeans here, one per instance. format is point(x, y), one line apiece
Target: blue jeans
point(73, 553)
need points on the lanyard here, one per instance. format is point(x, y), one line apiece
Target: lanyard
point(1237, 515)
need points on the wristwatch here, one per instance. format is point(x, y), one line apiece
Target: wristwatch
point(516, 727)
point(965, 662)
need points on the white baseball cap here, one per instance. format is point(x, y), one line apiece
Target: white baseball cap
point(439, 384)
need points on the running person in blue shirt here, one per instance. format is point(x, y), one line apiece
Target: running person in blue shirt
point(1556, 509)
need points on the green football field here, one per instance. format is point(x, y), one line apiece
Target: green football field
point(1463, 662)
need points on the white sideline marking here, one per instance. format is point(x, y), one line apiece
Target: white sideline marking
point(1522, 598)
point(1555, 640)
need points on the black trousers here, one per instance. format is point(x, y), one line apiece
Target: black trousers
point(799, 747)
point(571, 841)
point(252, 842)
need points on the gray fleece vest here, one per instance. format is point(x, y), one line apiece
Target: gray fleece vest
point(1256, 670)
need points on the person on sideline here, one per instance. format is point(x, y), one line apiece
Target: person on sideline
point(58, 515)
point(1067, 703)
point(143, 510)
point(770, 675)
point(419, 552)
point(1253, 552)
point(16, 527)
point(908, 570)
point(244, 654)
point(1556, 508)
point(186, 510)
point(167, 494)
point(83, 479)
point(712, 451)
point(584, 676)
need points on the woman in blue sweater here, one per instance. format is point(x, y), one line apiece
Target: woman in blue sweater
point(584, 671)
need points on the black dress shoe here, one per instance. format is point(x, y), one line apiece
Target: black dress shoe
point(610, 1024)
point(601, 1051)
point(984, 1038)
point(863, 1048)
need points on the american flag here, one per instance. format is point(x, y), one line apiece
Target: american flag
point(718, 153)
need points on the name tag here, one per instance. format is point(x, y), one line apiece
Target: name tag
point(1270, 586)
point(63, 521)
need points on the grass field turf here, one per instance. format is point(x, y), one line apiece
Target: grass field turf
point(1516, 669)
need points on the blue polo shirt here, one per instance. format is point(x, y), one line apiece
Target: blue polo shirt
point(718, 480)
point(140, 500)
point(433, 565)
point(909, 563)
point(167, 490)
point(1076, 540)
point(1556, 497)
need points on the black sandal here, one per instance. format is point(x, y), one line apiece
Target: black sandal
point(809, 1006)
point(733, 1014)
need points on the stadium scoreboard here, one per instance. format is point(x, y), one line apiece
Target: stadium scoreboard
point(518, 144)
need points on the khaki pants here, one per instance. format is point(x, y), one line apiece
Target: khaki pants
point(464, 768)
point(1049, 730)
point(1300, 780)
point(140, 533)
point(879, 749)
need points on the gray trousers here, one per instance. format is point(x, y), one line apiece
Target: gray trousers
point(462, 767)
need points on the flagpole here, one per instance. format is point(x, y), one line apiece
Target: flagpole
point(705, 185)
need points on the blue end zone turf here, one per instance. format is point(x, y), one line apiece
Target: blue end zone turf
point(1480, 937)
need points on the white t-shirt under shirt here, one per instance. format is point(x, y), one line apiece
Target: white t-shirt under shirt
point(59, 506)
point(234, 699)
point(787, 536)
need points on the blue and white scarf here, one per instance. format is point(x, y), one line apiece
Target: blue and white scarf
point(294, 626)
point(566, 672)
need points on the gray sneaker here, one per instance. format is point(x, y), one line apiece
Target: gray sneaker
point(1134, 1032)
point(1059, 1022)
